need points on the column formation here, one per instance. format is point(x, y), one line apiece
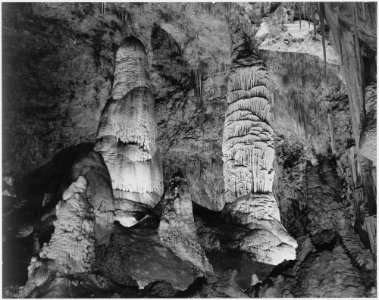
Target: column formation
point(248, 155)
point(127, 134)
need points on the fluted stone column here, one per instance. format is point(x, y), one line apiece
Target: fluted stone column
point(127, 134)
point(248, 154)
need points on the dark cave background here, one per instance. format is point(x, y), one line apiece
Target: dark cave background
point(58, 72)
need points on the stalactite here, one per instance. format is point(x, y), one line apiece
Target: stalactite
point(331, 130)
point(322, 16)
point(347, 46)
point(314, 23)
point(303, 10)
point(370, 227)
point(353, 165)
point(358, 55)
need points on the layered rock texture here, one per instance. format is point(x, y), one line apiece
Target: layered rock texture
point(177, 226)
point(368, 139)
point(331, 260)
point(71, 249)
point(350, 24)
point(127, 135)
point(248, 154)
point(138, 255)
point(255, 118)
point(98, 191)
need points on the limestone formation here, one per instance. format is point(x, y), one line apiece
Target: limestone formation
point(138, 255)
point(247, 142)
point(368, 138)
point(177, 227)
point(99, 192)
point(329, 274)
point(354, 34)
point(67, 87)
point(248, 154)
point(260, 213)
point(71, 249)
point(127, 133)
point(72, 244)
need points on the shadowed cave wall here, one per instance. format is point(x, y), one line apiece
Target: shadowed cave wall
point(59, 80)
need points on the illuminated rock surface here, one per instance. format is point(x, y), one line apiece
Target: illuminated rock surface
point(127, 133)
point(177, 227)
point(71, 80)
point(99, 192)
point(71, 249)
point(248, 154)
point(368, 140)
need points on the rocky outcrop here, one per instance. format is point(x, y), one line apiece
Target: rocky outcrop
point(248, 154)
point(350, 24)
point(58, 74)
point(268, 240)
point(138, 255)
point(330, 274)
point(219, 288)
point(324, 274)
point(280, 33)
point(71, 249)
point(177, 226)
point(72, 244)
point(368, 140)
point(191, 95)
point(127, 134)
point(99, 192)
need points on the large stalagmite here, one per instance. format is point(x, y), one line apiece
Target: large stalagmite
point(127, 133)
point(177, 229)
point(71, 249)
point(248, 154)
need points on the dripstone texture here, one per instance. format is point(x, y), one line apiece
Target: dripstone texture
point(99, 192)
point(127, 133)
point(248, 154)
point(177, 227)
point(71, 249)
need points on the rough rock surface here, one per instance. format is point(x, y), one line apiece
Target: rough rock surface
point(144, 260)
point(247, 141)
point(357, 60)
point(71, 249)
point(177, 227)
point(216, 288)
point(248, 154)
point(292, 37)
point(72, 244)
point(69, 66)
point(331, 260)
point(127, 133)
point(269, 240)
point(368, 138)
point(330, 274)
point(99, 192)
point(323, 274)
point(59, 61)
point(328, 213)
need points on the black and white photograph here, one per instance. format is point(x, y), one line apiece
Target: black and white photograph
point(189, 149)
